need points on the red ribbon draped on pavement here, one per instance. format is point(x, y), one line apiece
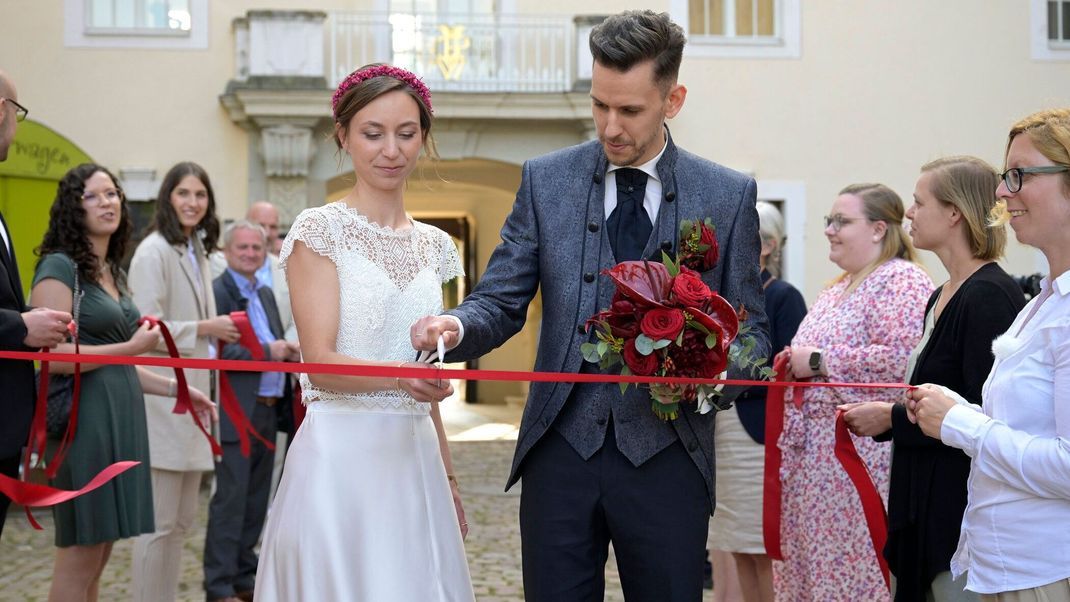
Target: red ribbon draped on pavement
point(846, 453)
point(228, 399)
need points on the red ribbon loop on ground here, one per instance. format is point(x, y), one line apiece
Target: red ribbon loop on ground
point(227, 397)
point(182, 399)
point(872, 505)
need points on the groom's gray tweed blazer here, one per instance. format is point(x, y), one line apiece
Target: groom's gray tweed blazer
point(555, 240)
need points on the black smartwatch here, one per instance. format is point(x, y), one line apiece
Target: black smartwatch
point(815, 361)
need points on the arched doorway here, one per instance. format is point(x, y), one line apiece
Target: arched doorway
point(470, 199)
point(38, 158)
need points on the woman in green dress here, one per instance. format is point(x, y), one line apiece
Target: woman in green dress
point(88, 231)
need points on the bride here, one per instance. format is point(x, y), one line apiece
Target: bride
point(368, 508)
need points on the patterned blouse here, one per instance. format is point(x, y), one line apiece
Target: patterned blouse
point(865, 336)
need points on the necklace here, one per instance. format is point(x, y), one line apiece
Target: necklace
point(768, 281)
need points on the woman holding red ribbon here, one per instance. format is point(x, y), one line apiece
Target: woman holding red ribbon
point(1015, 541)
point(952, 200)
point(861, 329)
point(367, 508)
point(89, 228)
point(171, 279)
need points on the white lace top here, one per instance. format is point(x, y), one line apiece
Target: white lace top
point(387, 280)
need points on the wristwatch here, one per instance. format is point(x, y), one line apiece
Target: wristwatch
point(815, 361)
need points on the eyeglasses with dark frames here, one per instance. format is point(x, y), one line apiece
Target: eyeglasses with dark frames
point(20, 111)
point(1014, 176)
point(838, 221)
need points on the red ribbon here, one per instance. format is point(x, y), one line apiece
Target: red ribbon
point(35, 495)
point(872, 505)
point(228, 398)
point(774, 425)
point(183, 403)
point(774, 404)
point(248, 336)
point(298, 410)
point(38, 428)
point(418, 372)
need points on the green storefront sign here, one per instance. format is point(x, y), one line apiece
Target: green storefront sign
point(37, 160)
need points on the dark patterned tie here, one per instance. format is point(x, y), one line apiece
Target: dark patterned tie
point(629, 225)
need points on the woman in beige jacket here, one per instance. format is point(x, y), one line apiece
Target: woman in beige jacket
point(170, 278)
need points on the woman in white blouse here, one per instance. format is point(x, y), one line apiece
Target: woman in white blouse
point(1015, 541)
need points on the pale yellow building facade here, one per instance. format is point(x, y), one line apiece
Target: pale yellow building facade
point(806, 95)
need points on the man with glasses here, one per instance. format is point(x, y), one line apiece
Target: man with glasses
point(21, 329)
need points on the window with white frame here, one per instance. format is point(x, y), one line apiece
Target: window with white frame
point(732, 18)
point(1059, 23)
point(1049, 30)
point(136, 23)
point(790, 197)
point(740, 28)
point(141, 16)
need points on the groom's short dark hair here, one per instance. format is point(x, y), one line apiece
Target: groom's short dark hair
point(626, 39)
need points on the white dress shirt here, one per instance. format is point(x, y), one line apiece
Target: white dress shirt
point(652, 196)
point(6, 240)
point(1016, 530)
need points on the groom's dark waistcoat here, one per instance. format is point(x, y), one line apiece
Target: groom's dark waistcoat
point(554, 240)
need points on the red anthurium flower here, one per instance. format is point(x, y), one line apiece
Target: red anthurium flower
point(643, 282)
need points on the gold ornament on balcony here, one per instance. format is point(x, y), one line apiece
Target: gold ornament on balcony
point(449, 50)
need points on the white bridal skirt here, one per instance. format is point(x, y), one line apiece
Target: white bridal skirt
point(363, 512)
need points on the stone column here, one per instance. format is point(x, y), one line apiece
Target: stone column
point(287, 151)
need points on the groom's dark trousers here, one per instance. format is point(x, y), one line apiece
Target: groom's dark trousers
point(656, 514)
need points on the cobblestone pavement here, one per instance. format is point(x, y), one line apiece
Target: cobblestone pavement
point(481, 465)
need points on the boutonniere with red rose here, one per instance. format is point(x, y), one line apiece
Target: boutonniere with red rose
point(665, 321)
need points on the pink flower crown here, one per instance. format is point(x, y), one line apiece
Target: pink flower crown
point(397, 73)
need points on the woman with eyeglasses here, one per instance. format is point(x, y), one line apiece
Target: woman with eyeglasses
point(88, 230)
point(860, 329)
point(952, 200)
point(1015, 540)
point(172, 280)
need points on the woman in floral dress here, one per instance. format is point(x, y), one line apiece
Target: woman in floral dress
point(861, 329)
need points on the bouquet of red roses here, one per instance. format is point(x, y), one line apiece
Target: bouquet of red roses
point(665, 321)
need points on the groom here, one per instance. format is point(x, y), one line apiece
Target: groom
point(598, 466)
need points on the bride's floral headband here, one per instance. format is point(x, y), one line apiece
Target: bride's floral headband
point(397, 73)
